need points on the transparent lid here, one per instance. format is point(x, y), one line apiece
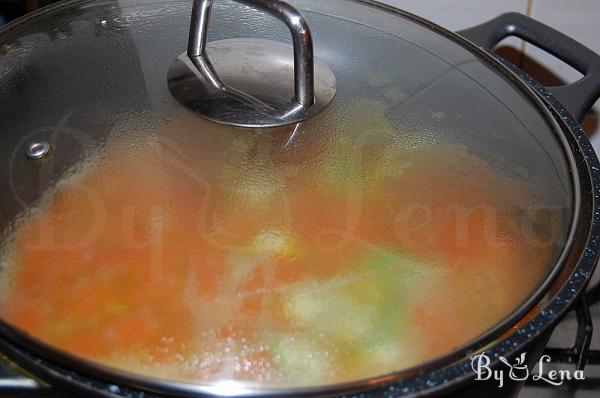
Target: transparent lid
point(430, 191)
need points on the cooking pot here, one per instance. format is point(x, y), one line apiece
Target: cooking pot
point(428, 182)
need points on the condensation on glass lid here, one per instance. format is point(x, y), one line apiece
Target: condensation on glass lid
point(214, 256)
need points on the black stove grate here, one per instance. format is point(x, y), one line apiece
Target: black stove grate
point(580, 353)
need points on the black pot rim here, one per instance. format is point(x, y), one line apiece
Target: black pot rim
point(424, 378)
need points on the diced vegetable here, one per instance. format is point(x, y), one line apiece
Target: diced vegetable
point(302, 358)
point(274, 242)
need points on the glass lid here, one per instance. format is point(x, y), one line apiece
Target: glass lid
point(154, 225)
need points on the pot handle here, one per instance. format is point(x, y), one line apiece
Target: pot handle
point(577, 97)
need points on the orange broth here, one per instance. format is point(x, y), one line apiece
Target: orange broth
point(207, 256)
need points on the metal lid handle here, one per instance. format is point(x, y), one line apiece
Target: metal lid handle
point(304, 79)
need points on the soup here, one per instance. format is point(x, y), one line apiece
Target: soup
point(281, 259)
